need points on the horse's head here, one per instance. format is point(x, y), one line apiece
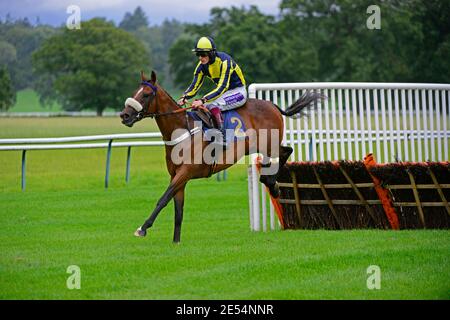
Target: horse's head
point(142, 103)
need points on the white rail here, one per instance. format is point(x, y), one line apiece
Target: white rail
point(82, 138)
point(25, 144)
point(81, 145)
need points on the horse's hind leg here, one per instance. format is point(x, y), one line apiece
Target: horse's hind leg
point(285, 153)
point(270, 178)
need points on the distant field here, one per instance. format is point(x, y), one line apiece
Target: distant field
point(66, 217)
point(28, 101)
point(68, 126)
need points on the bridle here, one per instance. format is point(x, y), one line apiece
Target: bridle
point(146, 105)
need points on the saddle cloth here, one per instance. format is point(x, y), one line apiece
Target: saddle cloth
point(232, 122)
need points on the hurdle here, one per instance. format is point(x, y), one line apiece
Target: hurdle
point(397, 122)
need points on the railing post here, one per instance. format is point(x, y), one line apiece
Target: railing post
point(24, 154)
point(255, 195)
point(224, 174)
point(108, 161)
point(127, 172)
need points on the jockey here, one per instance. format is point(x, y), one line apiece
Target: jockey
point(230, 91)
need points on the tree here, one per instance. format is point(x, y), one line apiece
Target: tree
point(18, 40)
point(258, 42)
point(158, 40)
point(261, 47)
point(8, 53)
point(433, 58)
point(94, 67)
point(182, 62)
point(134, 21)
point(7, 94)
point(347, 49)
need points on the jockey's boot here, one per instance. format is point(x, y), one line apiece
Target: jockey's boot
point(218, 116)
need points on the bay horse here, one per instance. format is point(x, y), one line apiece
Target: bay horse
point(151, 100)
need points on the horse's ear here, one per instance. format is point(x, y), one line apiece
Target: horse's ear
point(153, 77)
point(143, 78)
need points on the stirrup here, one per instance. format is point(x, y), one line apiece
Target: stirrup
point(223, 131)
point(218, 140)
point(224, 140)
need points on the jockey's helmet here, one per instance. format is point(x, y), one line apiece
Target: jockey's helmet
point(205, 44)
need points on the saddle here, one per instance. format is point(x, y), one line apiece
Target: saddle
point(209, 122)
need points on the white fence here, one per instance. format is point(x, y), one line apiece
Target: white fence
point(394, 121)
point(25, 144)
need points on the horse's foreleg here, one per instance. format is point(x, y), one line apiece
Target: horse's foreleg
point(177, 182)
point(179, 203)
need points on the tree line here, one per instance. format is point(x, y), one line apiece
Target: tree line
point(324, 40)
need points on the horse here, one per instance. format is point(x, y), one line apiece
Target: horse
point(151, 100)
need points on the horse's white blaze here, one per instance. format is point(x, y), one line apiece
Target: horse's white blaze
point(137, 93)
point(136, 105)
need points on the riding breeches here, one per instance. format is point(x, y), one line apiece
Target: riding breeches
point(231, 99)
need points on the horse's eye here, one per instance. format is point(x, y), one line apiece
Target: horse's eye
point(146, 95)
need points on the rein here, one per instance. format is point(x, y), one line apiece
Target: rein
point(141, 114)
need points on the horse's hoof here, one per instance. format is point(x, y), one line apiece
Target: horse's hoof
point(140, 233)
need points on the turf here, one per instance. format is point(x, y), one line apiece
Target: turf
point(66, 217)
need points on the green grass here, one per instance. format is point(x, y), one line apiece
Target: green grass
point(66, 217)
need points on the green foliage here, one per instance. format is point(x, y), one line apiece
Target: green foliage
point(349, 51)
point(94, 67)
point(7, 94)
point(134, 21)
point(158, 40)
point(18, 40)
point(328, 40)
point(182, 61)
point(8, 53)
point(433, 19)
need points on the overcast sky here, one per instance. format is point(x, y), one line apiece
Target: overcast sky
point(54, 11)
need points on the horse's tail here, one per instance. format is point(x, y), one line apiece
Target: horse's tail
point(305, 102)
